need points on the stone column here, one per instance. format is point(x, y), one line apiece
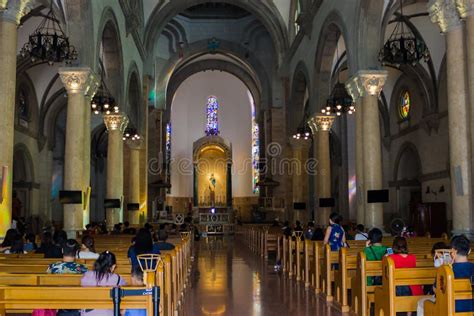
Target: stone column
point(353, 89)
point(78, 82)
point(445, 14)
point(134, 180)
point(10, 14)
point(116, 124)
point(300, 181)
point(369, 84)
point(321, 126)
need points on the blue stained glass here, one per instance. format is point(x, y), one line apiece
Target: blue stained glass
point(168, 155)
point(212, 125)
point(255, 154)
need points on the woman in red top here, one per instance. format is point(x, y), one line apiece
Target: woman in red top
point(402, 259)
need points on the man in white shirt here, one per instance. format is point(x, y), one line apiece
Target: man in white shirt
point(361, 234)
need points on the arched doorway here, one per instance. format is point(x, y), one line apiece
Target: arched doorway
point(23, 182)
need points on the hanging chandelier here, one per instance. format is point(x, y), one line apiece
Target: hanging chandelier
point(131, 133)
point(303, 131)
point(403, 47)
point(339, 102)
point(49, 43)
point(103, 102)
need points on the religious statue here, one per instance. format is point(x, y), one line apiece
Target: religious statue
point(212, 189)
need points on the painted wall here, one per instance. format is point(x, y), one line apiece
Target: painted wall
point(188, 124)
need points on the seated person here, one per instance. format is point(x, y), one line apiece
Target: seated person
point(143, 245)
point(402, 259)
point(17, 246)
point(136, 280)
point(335, 236)
point(9, 239)
point(103, 275)
point(68, 264)
point(30, 244)
point(374, 252)
point(308, 234)
point(87, 248)
point(361, 234)
point(162, 244)
point(127, 229)
point(46, 242)
point(59, 239)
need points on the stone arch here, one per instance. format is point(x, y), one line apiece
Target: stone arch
point(407, 157)
point(300, 95)
point(109, 45)
point(328, 41)
point(26, 87)
point(23, 167)
point(267, 14)
point(134, 100)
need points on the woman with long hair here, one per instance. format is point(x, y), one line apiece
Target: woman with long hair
point(143, 245)
point(103, 275)
point(10, 237)
point(87, 248)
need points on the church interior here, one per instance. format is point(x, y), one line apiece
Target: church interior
point(236, 157)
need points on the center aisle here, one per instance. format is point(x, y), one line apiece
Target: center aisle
point(228, 279)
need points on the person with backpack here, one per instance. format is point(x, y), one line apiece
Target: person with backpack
point(374, 252)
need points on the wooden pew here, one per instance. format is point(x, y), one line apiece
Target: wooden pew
point(46, 279)
point(27, 298)
point(448, 291)
point(386, 301)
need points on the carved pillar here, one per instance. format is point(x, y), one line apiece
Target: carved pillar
point(300, 183)
point(116, 124)
point(134, 180)
point(353, 89)
point(79, 83)
point(10, 14)
point(321, 126)
point(445, 14)
point(369, 85)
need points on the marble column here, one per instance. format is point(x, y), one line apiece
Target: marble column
point(134, 180)
point(10, 14)
point(369, 85)
point(300, 183)
point(445, 14)
point(116, 124)
point(79, 82)
point(353, 90)
point(321, 126)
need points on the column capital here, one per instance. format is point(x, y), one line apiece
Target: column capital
point(13, 10)
point(367, 82)
point(445, 14)
point(321, 123)
point(465, 8)
point(79, 80)
point(115, 122)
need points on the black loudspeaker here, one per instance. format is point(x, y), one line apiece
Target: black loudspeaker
point(70, 197)
point(327, 202)
point(133, 206)
point(112, 203)
point(377, 196)
point(299, 206)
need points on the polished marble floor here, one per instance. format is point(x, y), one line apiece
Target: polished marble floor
point(228, 279)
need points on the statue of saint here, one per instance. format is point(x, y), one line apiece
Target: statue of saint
point(212, 189)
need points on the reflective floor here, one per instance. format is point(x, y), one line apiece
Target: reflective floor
point(228, 279)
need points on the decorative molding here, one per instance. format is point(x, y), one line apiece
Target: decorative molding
point(352, 88)
point(369, 82)
point(445, 14)
point(321, 123)
point(465, 8)
point(115, 122)
point(79, 80)
point(14, 10)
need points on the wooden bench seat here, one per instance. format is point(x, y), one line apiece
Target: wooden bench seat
point(448, 291)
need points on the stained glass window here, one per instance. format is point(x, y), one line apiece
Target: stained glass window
point(22, 105)
point(168, 154)
point(297, 15)
point(212, 125)
point(405, 105)
point(255, 153)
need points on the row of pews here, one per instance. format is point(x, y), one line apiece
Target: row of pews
point(25, 285)
point(346, 286)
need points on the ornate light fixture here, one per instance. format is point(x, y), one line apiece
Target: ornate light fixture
point(403, 47)
point(131, 133)
point(49, 43)
point(339, 102)
point(103, 102)
point(303, 131)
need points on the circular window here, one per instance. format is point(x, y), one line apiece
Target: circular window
point(405, 105)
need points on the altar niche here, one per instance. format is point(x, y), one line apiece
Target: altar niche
point(212, 181)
